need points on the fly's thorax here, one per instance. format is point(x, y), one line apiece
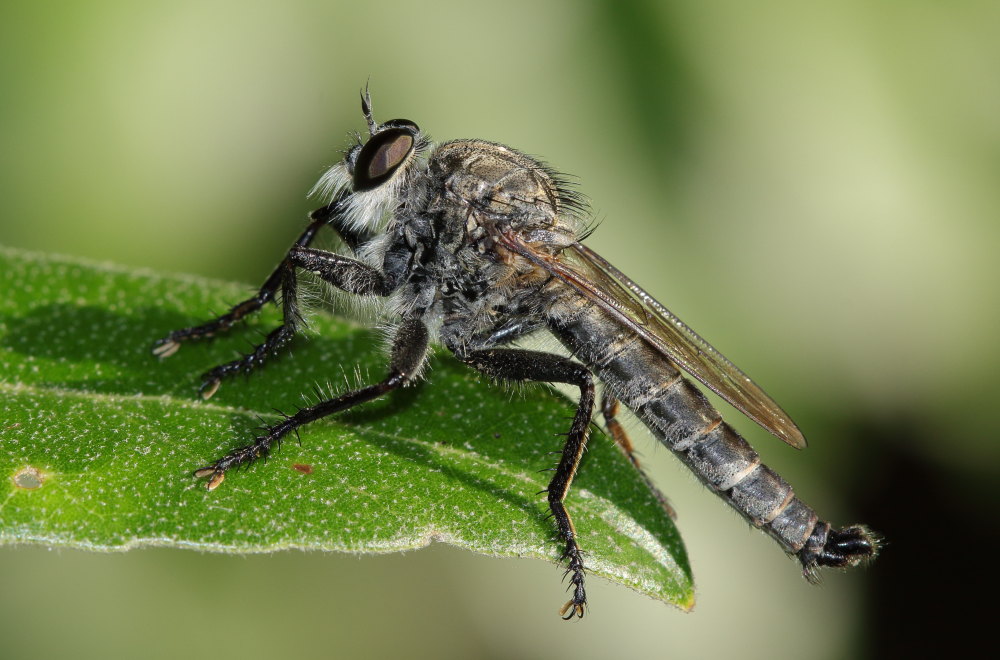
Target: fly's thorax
point(488, 187)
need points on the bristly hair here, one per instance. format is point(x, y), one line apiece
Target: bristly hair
point(572, 200)
point(593, 222)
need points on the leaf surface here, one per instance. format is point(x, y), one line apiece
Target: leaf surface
point(98, 439)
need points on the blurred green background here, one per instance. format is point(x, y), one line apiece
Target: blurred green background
point(812, 186)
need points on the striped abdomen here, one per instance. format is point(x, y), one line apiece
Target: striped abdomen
point(680, 416)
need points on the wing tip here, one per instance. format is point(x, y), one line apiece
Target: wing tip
point(794, 437)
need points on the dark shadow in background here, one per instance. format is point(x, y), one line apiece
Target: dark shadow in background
point(929, 593)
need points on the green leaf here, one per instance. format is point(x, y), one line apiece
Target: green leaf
point(98, 439)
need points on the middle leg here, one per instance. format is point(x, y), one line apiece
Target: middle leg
point(408, 351)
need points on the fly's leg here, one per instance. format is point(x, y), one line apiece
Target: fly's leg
point(281, 278)
point(408, 351)
point(291, 319)
point(168, 345)
point(521, 365)
point(347, 274)
point(609, 408)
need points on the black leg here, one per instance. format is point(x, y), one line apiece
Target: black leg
point(331, 215)
point(609, 408)
point(505, 334)
point(346, 274)
point(168, 345)
point(291, 320)
point(350, 275)
point(408, 351)
point(515, 364)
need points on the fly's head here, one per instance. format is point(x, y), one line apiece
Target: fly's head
point(375, 173)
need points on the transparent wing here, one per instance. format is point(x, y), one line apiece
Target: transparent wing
point(592, 275)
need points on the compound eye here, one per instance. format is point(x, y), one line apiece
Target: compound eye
point(351, 158)
point(381, 156)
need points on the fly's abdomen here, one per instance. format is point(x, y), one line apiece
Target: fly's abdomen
point(681, 417)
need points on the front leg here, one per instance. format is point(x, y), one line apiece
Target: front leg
point(347, 274)
point(168, 345)
point(515, 364)
point(283, 278)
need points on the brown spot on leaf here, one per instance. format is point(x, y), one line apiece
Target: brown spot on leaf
point(303, 468)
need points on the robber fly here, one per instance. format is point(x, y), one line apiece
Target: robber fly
point(482, 243)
